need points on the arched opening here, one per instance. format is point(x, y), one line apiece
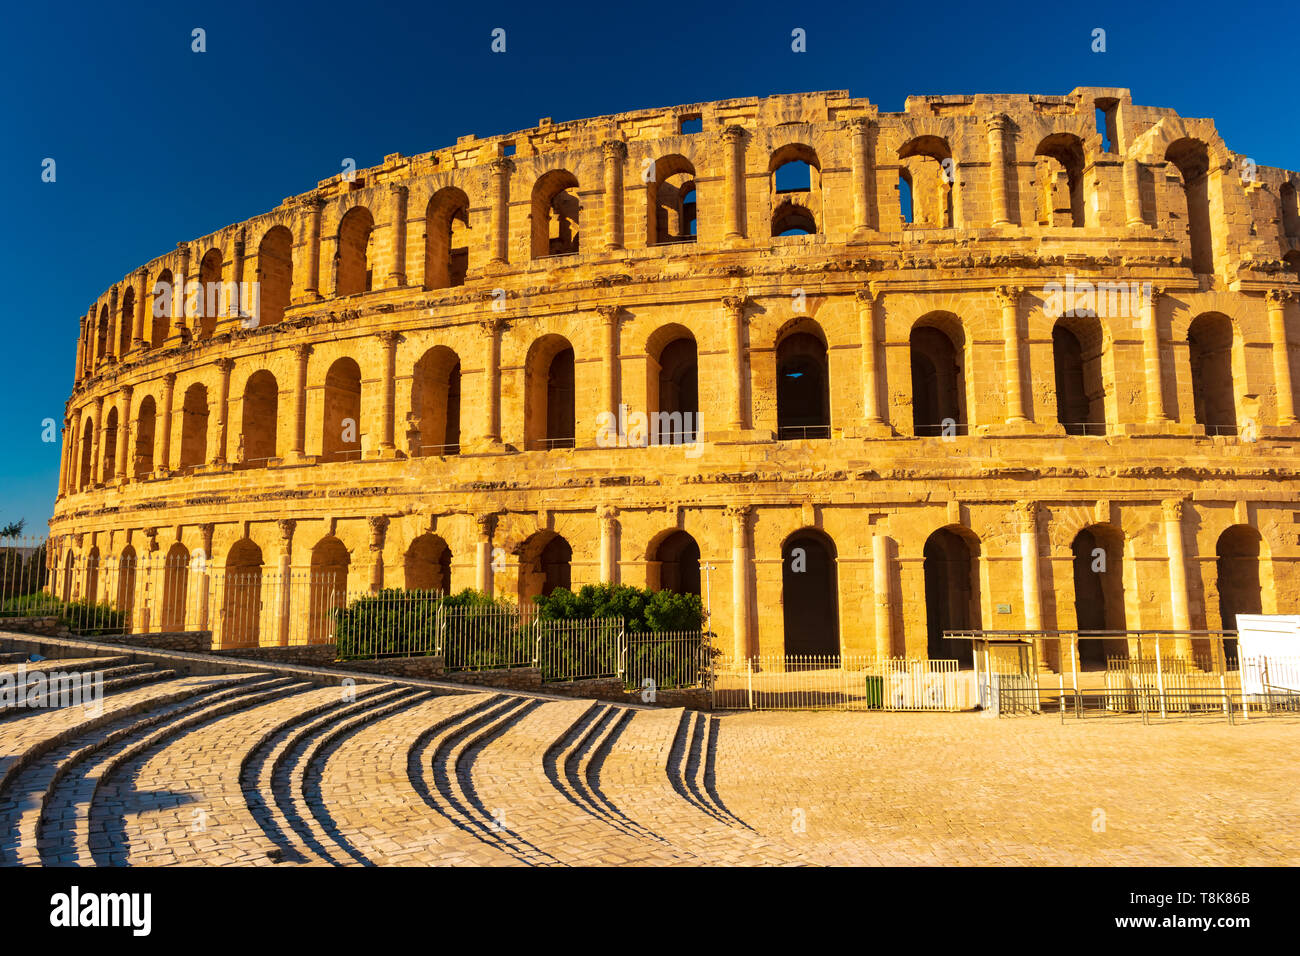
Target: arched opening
point(354, 259)
point(549, 394)
point(810, 594)
point(126, 321)
point(1060, 180)
point(87, 448)
point(671, 197)
point(92, 576)
point(126, 567)
point(194, 427)
point(241, 605)
point(1237, 556)
point(905, 207)
point(1209, 350)
point(274, 275)
point(794, 172)
point(341, 428)
point(109, 451)
point(545, 563)
point(672, 386)
point(428, 564)
point(68, 566)
point(176, 587)
point(930, 184)
point(1098, 552)
point(162, 308)
point(446, 239)
point(101, 337)
point(329, 587)
point(145, 424)
point(210, 293)
point(803, 406)
point(952, 594)
point(1077, 347)
point(261, 408)
point(1290, 204)
point(555, 210)
point(938, 376)
point(1192, 158)
point(674, 564)
point(435, 404)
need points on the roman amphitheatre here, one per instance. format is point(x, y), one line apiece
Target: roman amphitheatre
point(858, 378)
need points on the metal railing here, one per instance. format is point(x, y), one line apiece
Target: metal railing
point(840, 682)
point(668, 660)
point(802, 432)
point(549, 444)
point(1089, 429)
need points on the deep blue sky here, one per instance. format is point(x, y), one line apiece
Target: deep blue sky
point(156, 144)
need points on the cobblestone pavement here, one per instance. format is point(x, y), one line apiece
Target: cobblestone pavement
point(266, 770)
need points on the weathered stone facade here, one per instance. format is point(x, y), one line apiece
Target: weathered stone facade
point(883, 394)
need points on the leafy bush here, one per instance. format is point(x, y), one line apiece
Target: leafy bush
point(477, 630)
point(87, 617)
point(641, 609)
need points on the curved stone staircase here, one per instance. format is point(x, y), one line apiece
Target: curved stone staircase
point(269, 767)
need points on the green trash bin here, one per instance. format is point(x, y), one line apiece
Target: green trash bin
point(875, 692)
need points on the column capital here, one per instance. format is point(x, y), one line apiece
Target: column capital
point(225, 364)
point(1008, 295)
point(1278, 297)
point(997, 122)
point(206, 531)
point(378, 528)
point(1173, 509)
point(487, 525)
point(302, 351)
point(502, 165)
point(143, 273)
point(607, 512)
point(1027, 515)
point(866, 296)
point(169, 379)
point(614, 149)
point(128, 390)
point(493, 325)
point(863, 124)
point(398, 189)
point(312, 202)
point(390, 337)
point(733, 134)
point(184, 249)
point(739, 513)
point(735, 304)
point(286, 526)
point(609, 313)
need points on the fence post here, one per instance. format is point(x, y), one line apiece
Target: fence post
point(749, 680)
point(1160, 681)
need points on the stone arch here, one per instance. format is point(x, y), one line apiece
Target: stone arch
point(671, 206)
point(194, 427)
point(176, 587)
point(1060, 195)
point(125, 598)
point(101, 336)
point(163, 297)
point(1192, 159)
point(435, 403)
point(952, 591)
point(108, 468)
point(803, 408)
point(446, 239)
point(673, 385)
point(87, 450)
point(1099, 602)
point(146, 424)
point(330, 562)
point(549, 420)
point(1239, 553)
point(125, 320)
point(69, 569)
point(545, 563)
point(341, 418)
point(210, 293)
point(810, 594)
point(1080, 353)
point(673, 563)
point(260, 419)
point(91, 593)
point(241, 600)
point(555, 214)
point(794, 175)
point(938, 365)
point(354, 258)
point(274, 275)
point(931, 183)
point(1210, 351)
point(428, 564)
point(1289, 202)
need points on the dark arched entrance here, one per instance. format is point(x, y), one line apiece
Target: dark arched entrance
point(678, 562)
point(951, 595)
point(1237, 572)
point(802, 388)
point(810, 595)
point(1099, 593)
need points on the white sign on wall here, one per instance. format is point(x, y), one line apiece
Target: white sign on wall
point(1268, 644)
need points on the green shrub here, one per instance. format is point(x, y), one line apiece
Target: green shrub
point(86, 617)
point(641, 609)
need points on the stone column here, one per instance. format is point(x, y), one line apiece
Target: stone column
point(285, 562)
point(1180, 617)
point(378, 531)
point(180, 314)
point(223, 411)
point(883, 604)
point(1277, 300)
point(492, 328)
point(1132, 195)
point(297, 449)
point(163, 464)
point(1157, 413)
point(90, 357)
point(609, 396)
point(315, 206)
point(397, 274)
point(387, 444)
point(735, 305)
point(123, 434)
point(998, 125)
point(80, 370)
point(742, 580)
point(501, 168)
point(1027, 517)
point(202, 564)
point(66, 478)
point(97, 436)
point(1009, 296)
point(734, 138)
point(864, 173)
point(141, 288)
point(483, 552)
point(870, 359)
point(615, 151)
point(235, 309)
point(114, 326)
point(608, 516)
